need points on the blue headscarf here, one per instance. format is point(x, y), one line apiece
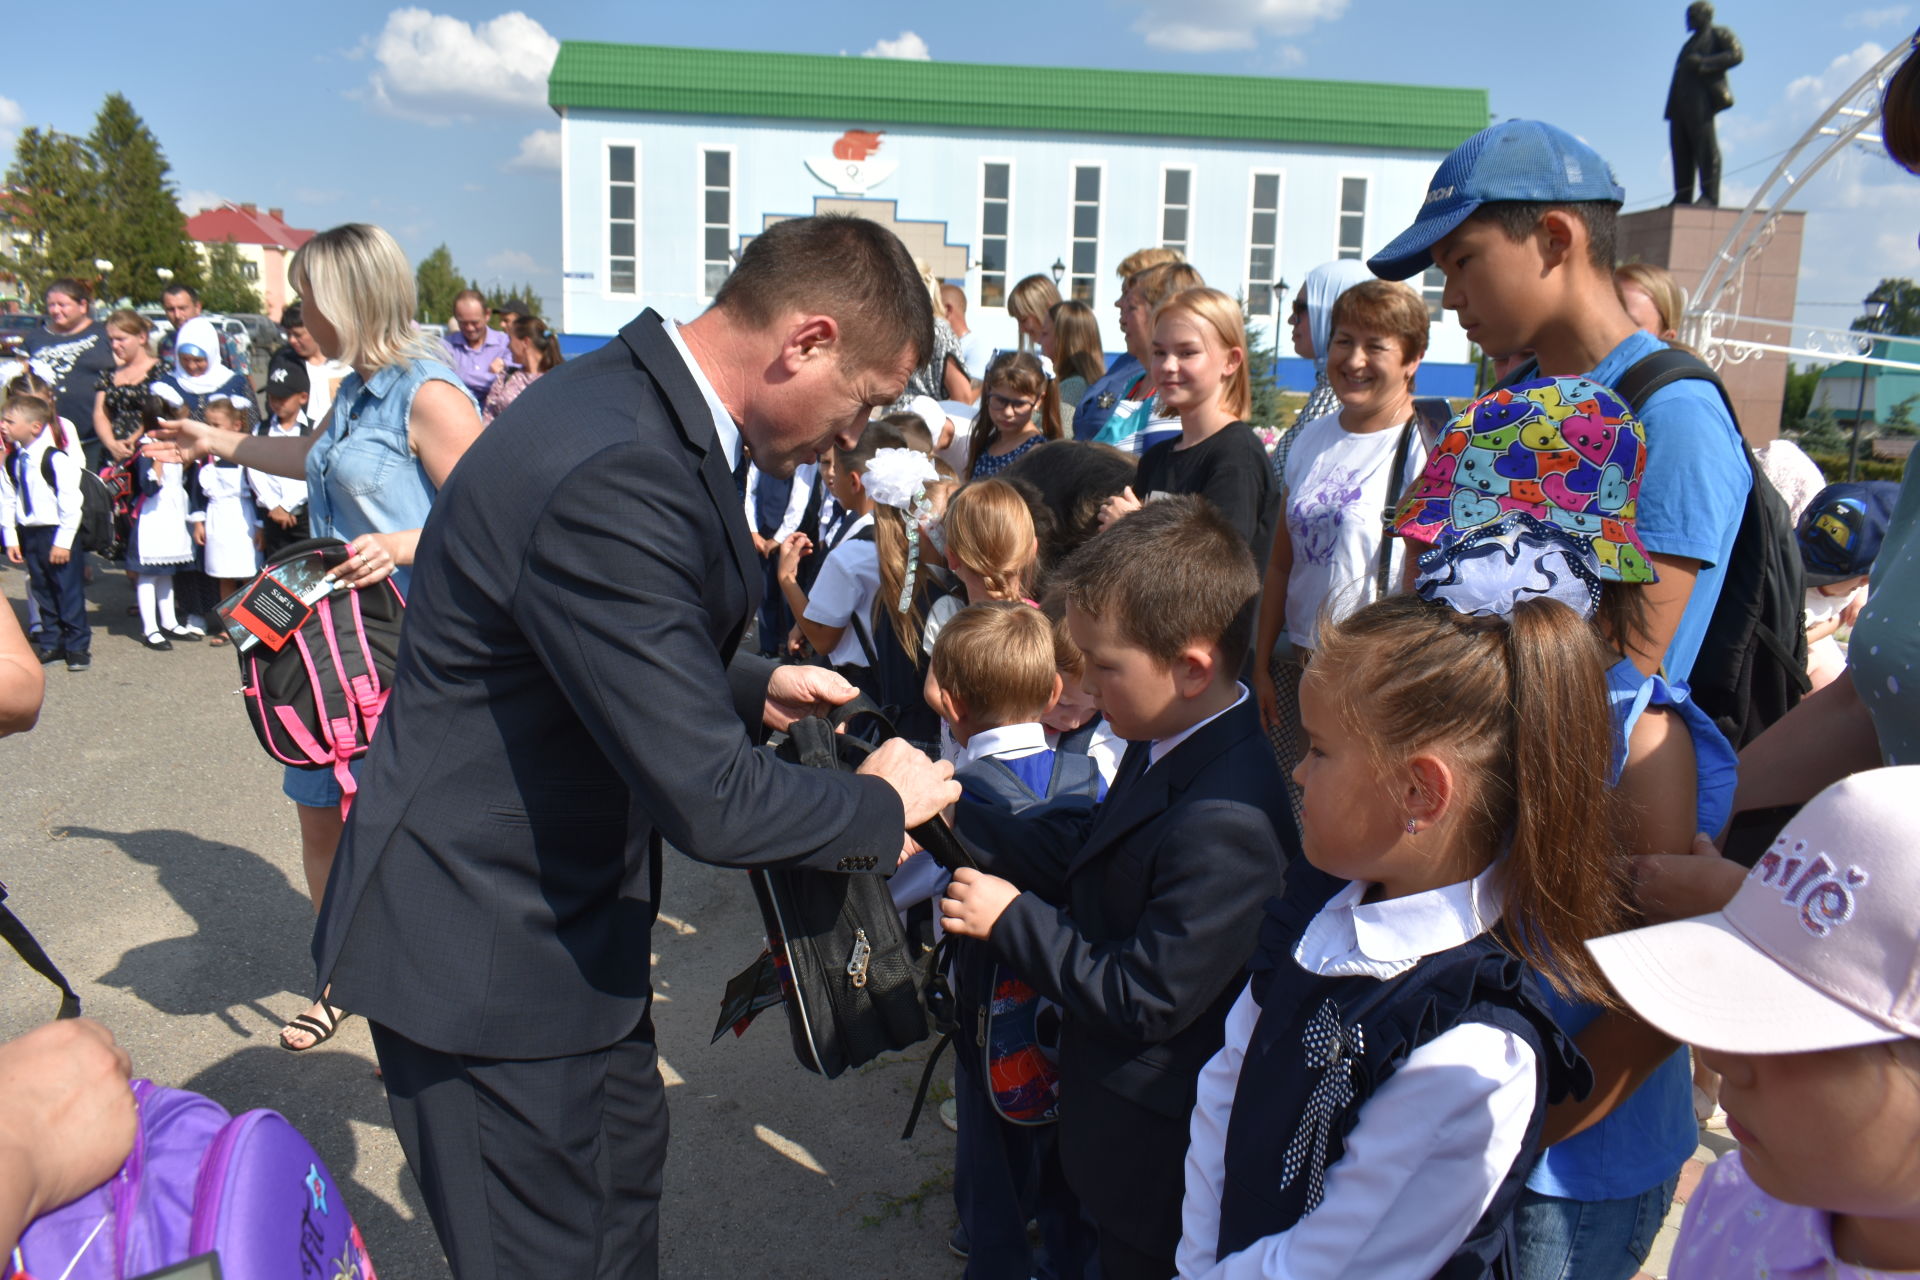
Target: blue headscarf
point(1325, 283)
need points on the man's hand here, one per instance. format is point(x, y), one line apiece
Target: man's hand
point(1121, 504)
point(973, 902)
point(796, 692)
point(1676, 886)
point(59, 555)
point(181, 440)
point(926, 786)
point(66, 1113)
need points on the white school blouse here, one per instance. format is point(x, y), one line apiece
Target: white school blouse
point(1432, 1144)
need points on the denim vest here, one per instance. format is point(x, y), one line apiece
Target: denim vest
point(1323, 1045)
point(361, 475)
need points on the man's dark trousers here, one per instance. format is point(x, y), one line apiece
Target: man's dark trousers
point(1695, 150)
point(583, 1138)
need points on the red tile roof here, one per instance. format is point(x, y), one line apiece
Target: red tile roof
point(245, 224)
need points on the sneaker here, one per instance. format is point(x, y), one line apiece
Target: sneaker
point(950, 1114)
point(157, 640)
point(186, 635)
point(958, 1244)
point(49, 656)
point(196, 625)
point(79, 661)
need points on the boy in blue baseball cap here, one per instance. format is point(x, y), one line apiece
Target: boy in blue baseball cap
point(1520, 218)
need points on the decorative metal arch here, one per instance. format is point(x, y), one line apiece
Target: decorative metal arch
point(1715, 305)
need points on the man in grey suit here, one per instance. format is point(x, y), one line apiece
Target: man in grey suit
point(1698, 93)
point(568, 699)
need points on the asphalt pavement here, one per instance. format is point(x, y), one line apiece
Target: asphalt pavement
point(145, 841)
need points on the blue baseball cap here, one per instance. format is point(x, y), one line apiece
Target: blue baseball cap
point(1841, 530)
point(1513, 160)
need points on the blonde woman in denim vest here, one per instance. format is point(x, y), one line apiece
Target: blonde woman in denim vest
point(398, 425)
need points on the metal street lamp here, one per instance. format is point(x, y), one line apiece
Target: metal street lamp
point(1059, 269)
point(1278, 292)
point(1876, 311)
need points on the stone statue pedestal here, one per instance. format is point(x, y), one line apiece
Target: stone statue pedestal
point(1683, 239)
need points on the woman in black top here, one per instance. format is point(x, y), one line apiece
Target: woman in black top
point(1199, 360)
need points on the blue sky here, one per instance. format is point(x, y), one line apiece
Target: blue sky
point(432, 121)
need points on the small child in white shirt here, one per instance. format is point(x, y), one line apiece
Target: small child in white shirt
point(1840, 534)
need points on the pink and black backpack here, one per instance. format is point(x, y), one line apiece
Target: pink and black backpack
point(204, 1196)
point(316, 702)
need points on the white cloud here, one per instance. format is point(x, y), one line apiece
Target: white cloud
point(11, 118)
point(436, 68)
point(1873, 19)
point(1212, 26)
point(1817, 92)
point(199, 201)
point(514, 262)
point(539, 151)
point(908, 46)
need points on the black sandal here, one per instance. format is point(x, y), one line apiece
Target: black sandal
point(321, 1031)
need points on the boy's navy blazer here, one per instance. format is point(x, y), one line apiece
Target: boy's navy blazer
point(568, 697)
point(1164, 885)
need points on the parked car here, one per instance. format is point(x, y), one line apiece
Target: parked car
point(263, 333)
point(14, 329)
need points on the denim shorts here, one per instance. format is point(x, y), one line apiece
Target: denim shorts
point(1560, 1239)
point(315, 788)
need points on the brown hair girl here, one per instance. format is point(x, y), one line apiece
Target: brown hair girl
point(1014, 375)
point(1517, 707)
point(990, 534)
point(1076, 343)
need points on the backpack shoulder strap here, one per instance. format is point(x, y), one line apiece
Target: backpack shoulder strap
point(30, 950)
point(1402, 449)
point(1663, 368)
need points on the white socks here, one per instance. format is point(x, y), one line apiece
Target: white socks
point(155, 591)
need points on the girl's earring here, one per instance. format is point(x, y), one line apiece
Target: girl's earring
point(1413, 828)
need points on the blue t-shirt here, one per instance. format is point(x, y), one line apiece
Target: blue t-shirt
point(1098, 404)
point(1694, 490)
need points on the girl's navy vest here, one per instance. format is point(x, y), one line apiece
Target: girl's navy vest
point(1323, 1045)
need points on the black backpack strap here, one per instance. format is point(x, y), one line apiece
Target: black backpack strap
point(926, 1080)
point(1663, 368)
point(21, 940)
point(1395, 483)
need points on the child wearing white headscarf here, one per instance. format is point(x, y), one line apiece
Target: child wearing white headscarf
point(197, 369)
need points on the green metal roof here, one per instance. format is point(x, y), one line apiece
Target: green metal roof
point(884, 91)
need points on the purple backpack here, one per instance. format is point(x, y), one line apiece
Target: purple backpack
point(247, 1189)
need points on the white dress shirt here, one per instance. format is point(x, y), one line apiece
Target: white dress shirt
point(1432, 1144)
point(40, 505)
point(1159, 747)
point(723, 425)
point(272, 491)
point(796, 499)
point(920, 877)
point(844, 589)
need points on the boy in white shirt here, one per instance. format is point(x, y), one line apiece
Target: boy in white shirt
point(836, 617)
point(46, 504)
point(282, 502)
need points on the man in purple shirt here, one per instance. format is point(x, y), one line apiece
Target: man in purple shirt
point(474, 347)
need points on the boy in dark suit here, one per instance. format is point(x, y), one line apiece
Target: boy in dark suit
point(1164, 882)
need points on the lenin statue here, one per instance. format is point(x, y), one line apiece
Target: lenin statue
point(1698, 93)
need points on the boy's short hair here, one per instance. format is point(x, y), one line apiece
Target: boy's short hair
point(27, 408)
point(879, 434)
point(1517, 219)
point(997, 658)
point(1172, 574)
point(913, 429)
point(1068, 660)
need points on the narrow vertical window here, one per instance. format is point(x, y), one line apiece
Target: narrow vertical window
point(1433, 283)
point(1263, 242)
point(996, 201)
point(1086, 233)
point(623, 180)
point(1353, 217)
point(716, 218)
point(1176, 204)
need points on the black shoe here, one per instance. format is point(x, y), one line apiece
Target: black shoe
point(79, 661)
point(49, 656)
point(185, 636)
point(958, 1244)
point(157, 640)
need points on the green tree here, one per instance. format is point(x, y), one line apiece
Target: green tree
point(1820, 432)
point(141, 228)
point(437, 282)
point(226, 288)
point(501, 294)
point(1266, 393)
point(54, 209)
point(1799, 396)
point(1903, 308)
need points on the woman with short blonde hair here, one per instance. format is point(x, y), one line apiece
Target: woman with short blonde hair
point(398, 424)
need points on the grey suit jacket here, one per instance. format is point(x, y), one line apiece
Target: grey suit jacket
point(567, 698)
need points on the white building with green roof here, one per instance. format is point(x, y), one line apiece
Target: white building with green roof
point(672, 158)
